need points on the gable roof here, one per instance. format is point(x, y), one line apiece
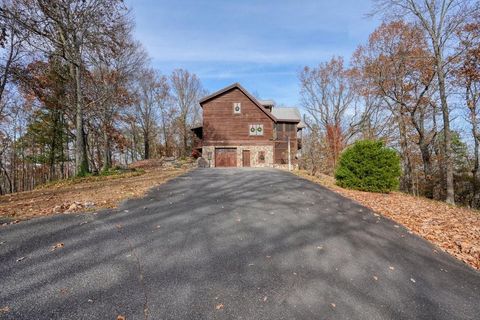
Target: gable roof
point(237, 85)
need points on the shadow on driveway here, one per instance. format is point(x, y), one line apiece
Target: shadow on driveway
point(230, 244)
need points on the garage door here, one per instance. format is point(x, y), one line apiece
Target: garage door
point(225, 157)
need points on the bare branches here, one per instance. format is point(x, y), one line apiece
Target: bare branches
point(187, 91)
point(328, 95)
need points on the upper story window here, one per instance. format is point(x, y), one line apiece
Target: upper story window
point(237, 107)
point(256, 129)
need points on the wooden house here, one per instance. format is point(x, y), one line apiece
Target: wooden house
point(241, 131)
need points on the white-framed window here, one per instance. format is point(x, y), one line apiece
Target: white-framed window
point(237, 107)
point(255, 129)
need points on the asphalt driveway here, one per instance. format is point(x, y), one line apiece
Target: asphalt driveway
point(230, 244)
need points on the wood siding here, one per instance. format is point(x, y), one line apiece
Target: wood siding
point(221, 126)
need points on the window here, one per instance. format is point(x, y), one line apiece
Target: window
point(255, 129)
point(261, 157)
point(237, 107)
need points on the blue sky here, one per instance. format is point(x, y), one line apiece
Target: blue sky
point(261, 44)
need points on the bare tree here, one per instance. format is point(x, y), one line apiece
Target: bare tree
point(115, 68)
point(152, 90)
point(467, 76)
point(441, 20)
point(328, 96)
point(167, 114)
point(186, 91)
point(11, 52)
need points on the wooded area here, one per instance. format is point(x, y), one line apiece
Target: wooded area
point(414, 85)
point(78, 94)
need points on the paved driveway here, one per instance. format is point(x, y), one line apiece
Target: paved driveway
point(230, 244)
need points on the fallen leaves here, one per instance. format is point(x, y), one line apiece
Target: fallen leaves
point(64, 291)
point(84, 194)
point(219, 306)
point(454, 229)
point(57, 246)
point(5, 309)
point(333, 305)
point(391, 268)
point(413, 280)
point(375, 278)
point(120, 317)
point(20, 259)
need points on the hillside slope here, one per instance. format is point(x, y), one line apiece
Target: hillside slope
point(87, 194)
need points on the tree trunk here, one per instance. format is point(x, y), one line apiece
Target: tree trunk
point(447, 143)
point(475, 176)
point(473, 118)
point(107, 153)
point(185, 137)
point(81, 159)
point(64, 145)
point(53, 144)
point(427, 170)
point(407, 184)
point(107, 149)
point(165, 138)
point(146, 146)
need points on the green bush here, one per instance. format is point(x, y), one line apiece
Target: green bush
point(368, 166)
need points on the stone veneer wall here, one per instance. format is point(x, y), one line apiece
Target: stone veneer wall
point(254, 155)
point(208, 153)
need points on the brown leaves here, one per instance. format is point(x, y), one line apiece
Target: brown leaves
point(120, 317)
point(5, 309)
point(57, 246)
point(219, 306)
point(88, 193)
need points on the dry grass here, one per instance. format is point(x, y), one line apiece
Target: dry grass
point(456, 230)
point(86, 194)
